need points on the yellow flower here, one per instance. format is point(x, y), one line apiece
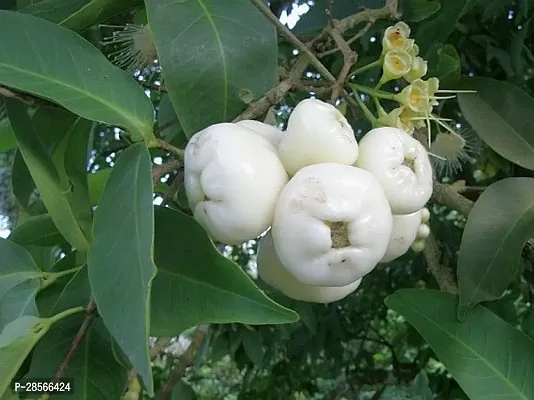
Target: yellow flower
point(417, 97)
point(397, 63)
point(416, 119)
point(418, 70)
point(395, 119)
point(396, 37)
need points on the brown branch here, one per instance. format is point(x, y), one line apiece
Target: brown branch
point(450, 196)
point(170, 148)
point(26, 98)
point(186, 360)
point(159, 170)
point(443, 274)
point(90, 314)
point(350, 57)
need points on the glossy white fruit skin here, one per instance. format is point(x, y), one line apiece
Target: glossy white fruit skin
point(272, 272)
point(232, 180)
point(404, 233)
point(331, 192)
point(270, 133)
point(382, 152)
point(317, 133)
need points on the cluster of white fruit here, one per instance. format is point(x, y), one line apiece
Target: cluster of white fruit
point(336, 208)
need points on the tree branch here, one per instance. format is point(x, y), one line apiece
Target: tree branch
point(187, 359)
point(159, 170)
point(90, 314)
point(441, 273)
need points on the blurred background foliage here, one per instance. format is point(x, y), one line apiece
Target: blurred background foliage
point(355, 348)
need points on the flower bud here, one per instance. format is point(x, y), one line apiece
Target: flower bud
point(317, 133)
point(397, 63)
point(331, 224)
point(232, 180)
point(395, 119)
point(270, 133)
point(418, 70)
point(406, 230)
point(273, 273)
point(401, 165)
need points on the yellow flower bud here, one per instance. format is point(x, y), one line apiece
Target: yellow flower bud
point(418, 70)
point(416, 97)
point(397, 63)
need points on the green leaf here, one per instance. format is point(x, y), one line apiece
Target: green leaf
point(22, 181)
point(53, 10)
point(501, 114)
point(317, 18)
point(96, 183)
point(438, 28)
point(231, 43)
point(45, 175)
point(38, 230)
point(16, 267)
point(19, 301)
point(16, 329)
point(55, 63)
point(7, 137)
point(498, 226)
point(418, 10)
point(208, 287)
point(121, 268)
point(486, 356)
point(183, 391)
point(445, 66)
point(96, 11)
point(14, 354)
point(96, 373)
point(68, 291)
point(253, 345)
point(170, 129)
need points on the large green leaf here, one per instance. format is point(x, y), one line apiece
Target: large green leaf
point(19, 301)
point(23, 334)
point(53, 10)
point(57, 64)
point(96, 183)
point(488, 357)
point(501, 113)
point(418, 10)
point(445, 66)
point(7, 137)
point(121, 268)
point(438, 28)
point(38, 230)
point(208, 287)
point(93, 368)
point(498, 226)
point(96, 11)
point(16, 267)
point(22, 182)
point(211, 51)
point(45, 175)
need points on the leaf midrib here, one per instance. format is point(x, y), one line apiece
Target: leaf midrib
point(462, 343)
point(505, 238)
point(179, 276)
point(127, 117)
point(223, 56)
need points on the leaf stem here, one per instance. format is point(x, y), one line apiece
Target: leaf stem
point(368, 114)
point(65, 314)
point(50, 277)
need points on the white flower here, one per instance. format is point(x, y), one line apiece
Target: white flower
point(272, 134)
point(232, 180)
point(273, 272)
point(401, 164)
point(418, 70)
point(397, 63)
point(317, 133)
point(452, 150)
point(331, 224)
point(406, 230)
point(396, 37)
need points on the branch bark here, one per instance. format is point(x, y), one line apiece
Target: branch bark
point(184, 362)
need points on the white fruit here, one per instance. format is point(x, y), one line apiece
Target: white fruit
point(406, 230)
point(401, 164)
point(272, 134)
point(232, 180)
point(272, 272)
point(331, 225)
point(317, 133)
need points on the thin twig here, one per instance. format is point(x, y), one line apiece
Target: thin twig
point(185, 360)
point(170, 148)
point(350, 57)
point(443, 274)
point(90, 314)
point(26, 99)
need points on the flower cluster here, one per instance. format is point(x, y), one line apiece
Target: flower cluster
point(336, 208)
